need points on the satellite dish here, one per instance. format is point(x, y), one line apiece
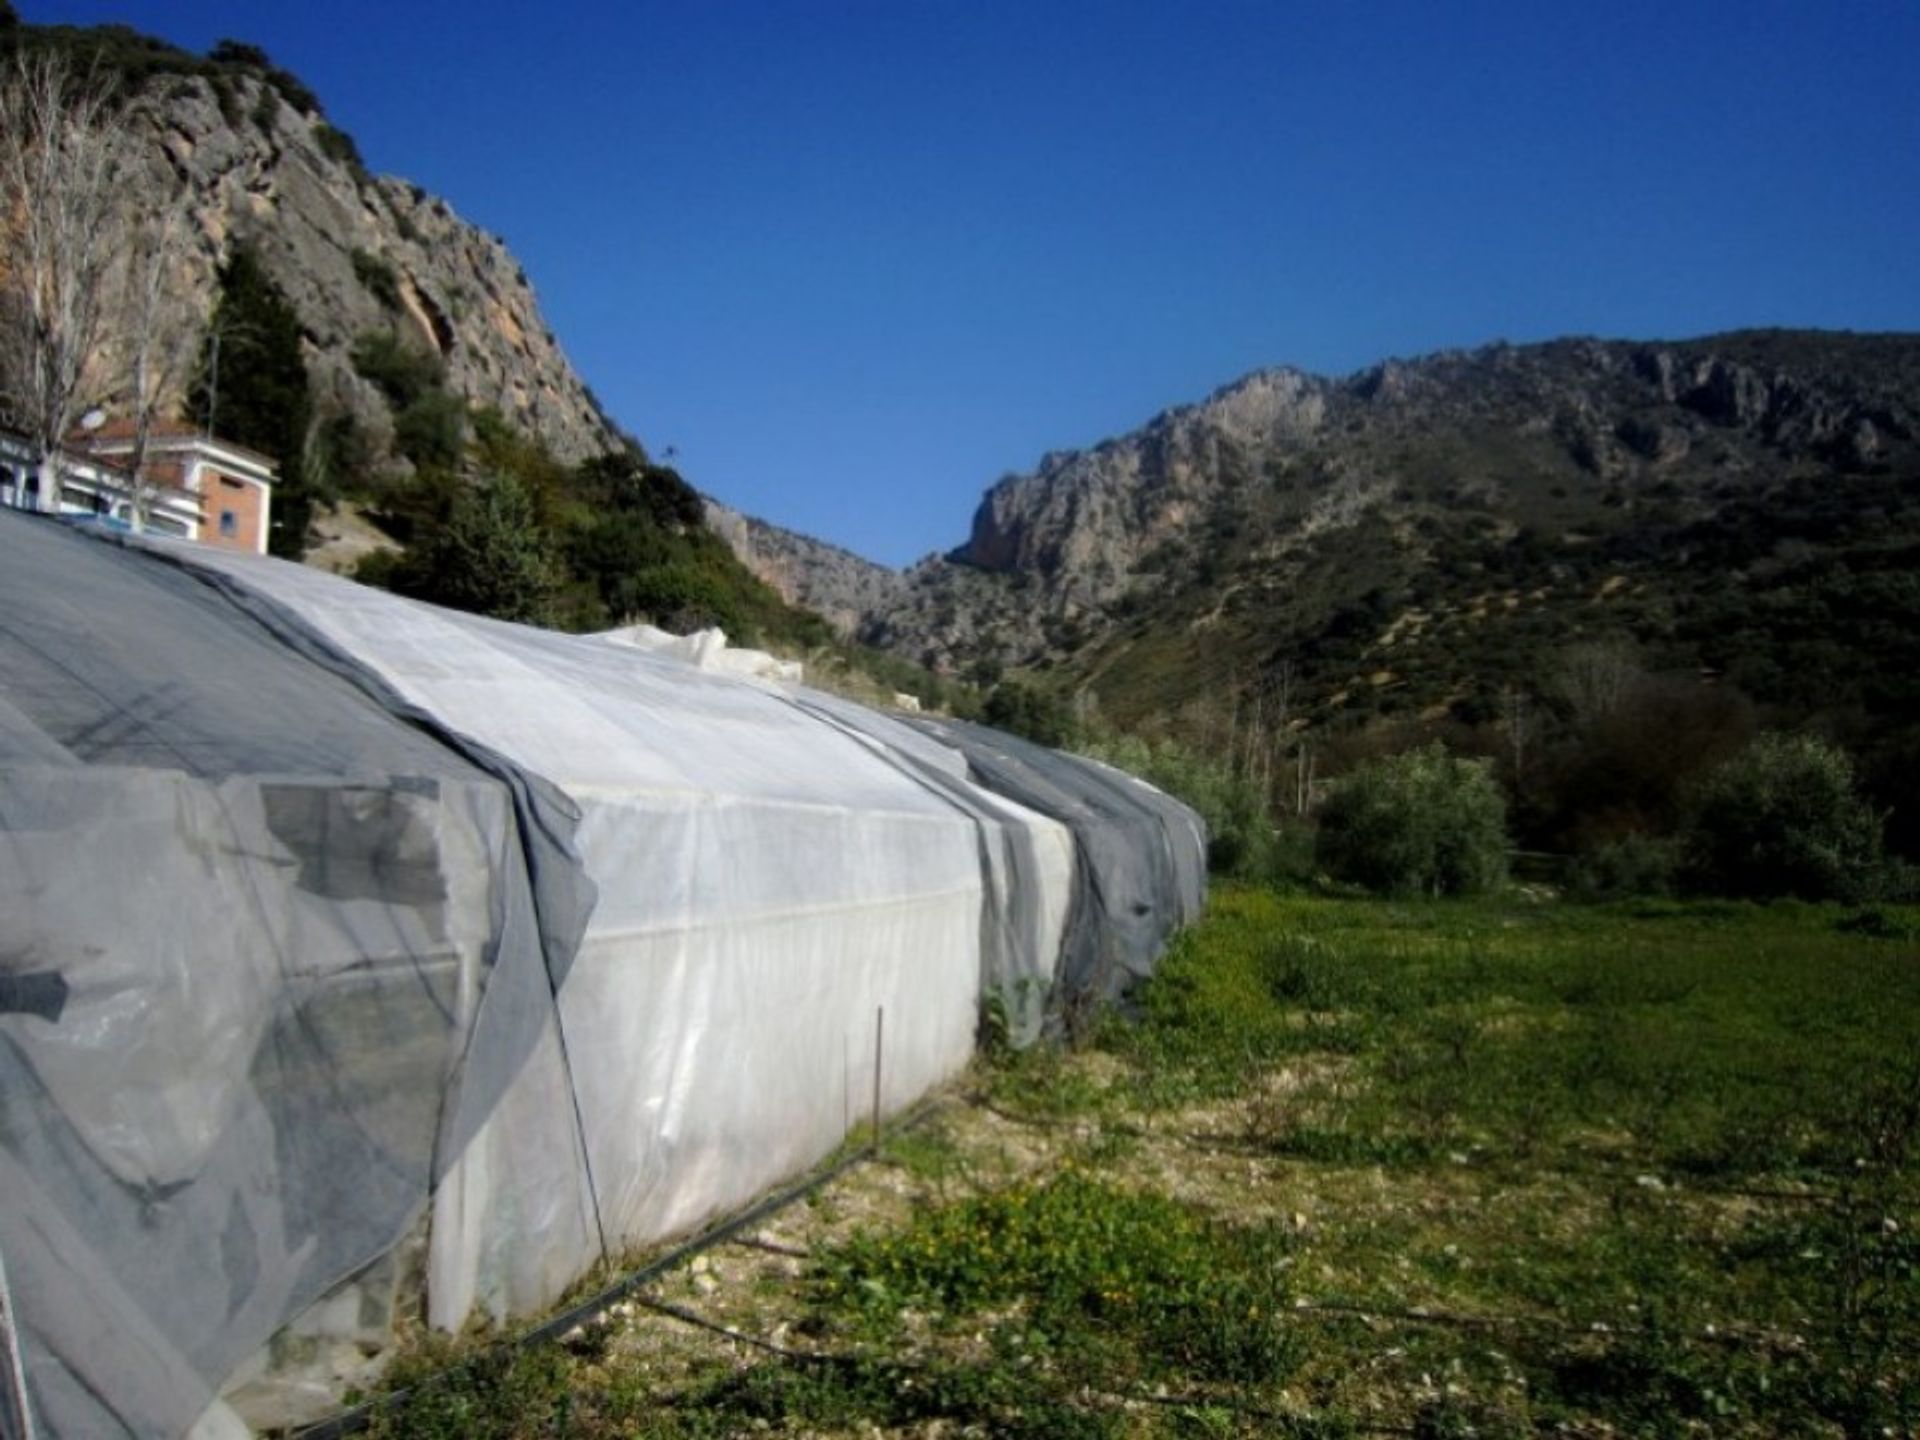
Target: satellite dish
point(93, 419)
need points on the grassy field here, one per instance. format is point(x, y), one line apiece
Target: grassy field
point(1355, 1168)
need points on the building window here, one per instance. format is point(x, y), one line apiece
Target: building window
point(229, 523)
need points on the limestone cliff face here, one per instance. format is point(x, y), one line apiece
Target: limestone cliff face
point(837, 584)
point(1084, 517)
point(355, 253)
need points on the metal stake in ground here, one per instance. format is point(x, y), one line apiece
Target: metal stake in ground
point(879, 1040)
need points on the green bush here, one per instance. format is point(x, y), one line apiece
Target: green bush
point(404, 372)
point(1783, 818)
point(375, 273)
point(432, 431)
point(1634, 864)
point(1418, 823)
point(491, 557)
point(339, 146)
point(379, 568)
point(1023, 709)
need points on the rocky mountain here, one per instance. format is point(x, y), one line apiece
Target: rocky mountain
point(1416, 536)
point(1412, 538)
point(352, 252)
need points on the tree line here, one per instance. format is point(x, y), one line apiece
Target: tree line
point(1604, 779)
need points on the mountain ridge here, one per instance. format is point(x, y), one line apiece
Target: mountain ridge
point(1253, 528)
point(1291, 401)
point(843, 587)
point(1286, 522)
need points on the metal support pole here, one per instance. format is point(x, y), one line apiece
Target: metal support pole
point(18, 1413)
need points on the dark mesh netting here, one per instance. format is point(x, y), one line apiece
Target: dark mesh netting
point(1140, 857)
point(267, 951)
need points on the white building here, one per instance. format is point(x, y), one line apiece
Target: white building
point(198, 487)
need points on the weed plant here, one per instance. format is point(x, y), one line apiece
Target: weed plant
point(1115, 1285)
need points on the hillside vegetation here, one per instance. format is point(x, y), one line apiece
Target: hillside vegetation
point(1604, 566)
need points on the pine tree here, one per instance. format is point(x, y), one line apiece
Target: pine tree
point(491, 557)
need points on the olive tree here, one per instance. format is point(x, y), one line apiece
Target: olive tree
point(1783, 818)
point(1422, 822)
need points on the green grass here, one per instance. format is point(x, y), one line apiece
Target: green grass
point(1102, 1280)
point(1720, 1040)
point(1492, 1169)
point(1683, 1123)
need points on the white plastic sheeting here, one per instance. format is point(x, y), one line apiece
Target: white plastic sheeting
point(766, 886)
point(435, 930)
point(707, 649)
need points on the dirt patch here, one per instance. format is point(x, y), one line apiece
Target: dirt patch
point(343, 537)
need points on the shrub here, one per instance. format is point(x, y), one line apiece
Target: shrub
point(266, 109)
point(1023, 709)
point(1783, 818)
point(404, 372)
point(240, 53)
point(491, 557)
point(378, 276)
point(1420, 822)
point(432, 430)
point(1633, 864)
point(378, 568)
point(339, 147)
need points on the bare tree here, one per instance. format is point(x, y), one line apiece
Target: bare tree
point(158, 324)
point(64, 158)
point(1596, 679)
point(1516, 726)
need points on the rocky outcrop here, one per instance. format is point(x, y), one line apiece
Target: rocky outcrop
point(355, 253)
point(1085, 518)
point(842, 587)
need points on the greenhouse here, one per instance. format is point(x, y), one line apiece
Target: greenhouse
point(352, 949)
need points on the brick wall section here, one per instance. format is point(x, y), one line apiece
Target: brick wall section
point(220, 496)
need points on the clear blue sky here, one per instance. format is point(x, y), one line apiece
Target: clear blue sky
point(856, 259)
